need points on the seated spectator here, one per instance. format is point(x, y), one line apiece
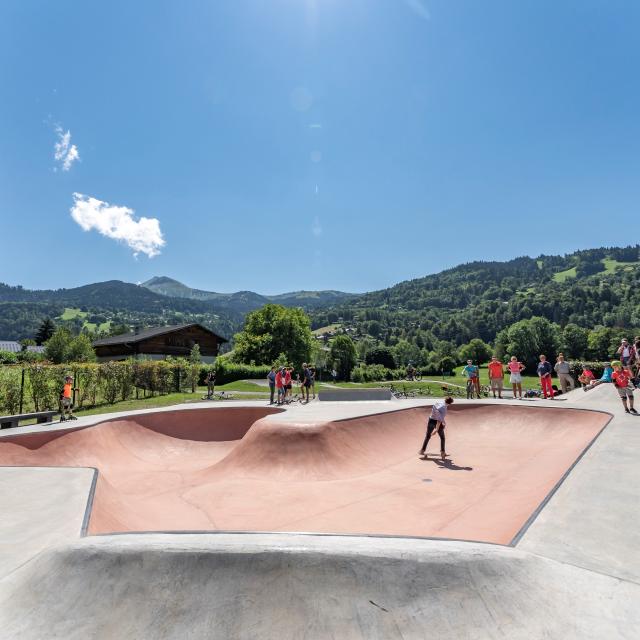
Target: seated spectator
point(586, 378)
point(606, 377)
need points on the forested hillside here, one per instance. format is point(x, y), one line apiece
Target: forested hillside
point(588, 289)
point(597, 287)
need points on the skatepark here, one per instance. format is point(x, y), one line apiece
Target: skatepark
point(319, 521)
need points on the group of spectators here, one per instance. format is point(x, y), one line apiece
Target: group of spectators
point(281, 381)
point(623, 373)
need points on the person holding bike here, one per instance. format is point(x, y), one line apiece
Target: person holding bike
point(472, 373)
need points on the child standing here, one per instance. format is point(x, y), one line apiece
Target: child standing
point(66, 400)
point(622, 381)
point(515, 376)
point(544, 373)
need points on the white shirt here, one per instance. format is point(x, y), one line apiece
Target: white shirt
point(439, 411)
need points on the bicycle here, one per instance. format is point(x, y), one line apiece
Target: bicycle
point(415, 377)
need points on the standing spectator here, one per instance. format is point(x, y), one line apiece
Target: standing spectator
point(313, 381)
point(544, 373)
point(622, 381)
point(472, 372)
point(563, 370)
point(271, 379)
point(280, 385)
point(515, 376)
point(496, 376)
point(334, 375)
point(306, 382)
point(211, 384)
point(287, 383)
point(627, 354)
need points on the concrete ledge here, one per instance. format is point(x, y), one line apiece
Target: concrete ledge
point(338, 394)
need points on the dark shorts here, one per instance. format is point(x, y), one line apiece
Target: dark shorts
point(287, 387)
point(625, 361)
point(306, 383)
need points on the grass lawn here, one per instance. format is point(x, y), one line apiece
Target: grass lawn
point(327, 329)
point(561, 276)
point(610, 265)
point(70, 314)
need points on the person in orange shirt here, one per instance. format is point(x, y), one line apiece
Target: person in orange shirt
point(496, 376)
point(66, 400)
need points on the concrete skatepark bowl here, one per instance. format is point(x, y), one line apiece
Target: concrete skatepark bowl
point(230, 474)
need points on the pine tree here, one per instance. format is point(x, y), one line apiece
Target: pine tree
point(46, 330)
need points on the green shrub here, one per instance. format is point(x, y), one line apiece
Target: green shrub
point(10, 390)
point(230, 372)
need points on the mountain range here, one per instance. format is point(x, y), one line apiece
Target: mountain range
point(589, 288)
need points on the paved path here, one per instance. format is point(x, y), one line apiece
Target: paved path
point(574, 574)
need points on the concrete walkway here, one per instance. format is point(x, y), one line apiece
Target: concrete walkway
point(575, 573)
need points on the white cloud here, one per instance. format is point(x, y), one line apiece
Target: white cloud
point(142, 235)
point(419, 8)
point(316, 227)
point(64, 152)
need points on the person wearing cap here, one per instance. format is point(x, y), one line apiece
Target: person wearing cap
point(627, 354)
point(622, 381)
point(437, 422)
point(607, 377)
point(563, 370)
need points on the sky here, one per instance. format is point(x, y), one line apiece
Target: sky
point(277, 145)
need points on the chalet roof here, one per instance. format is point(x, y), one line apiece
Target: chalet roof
point(152, 332)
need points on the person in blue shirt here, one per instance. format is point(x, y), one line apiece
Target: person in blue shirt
point(544, 373)
point(472, 372)
point(606, 377)
point(271, 379)
point(437, 421)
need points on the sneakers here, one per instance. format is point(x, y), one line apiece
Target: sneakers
point(627, 411)
point(632, 410)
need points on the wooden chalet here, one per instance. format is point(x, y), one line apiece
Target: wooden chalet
point(157, 343)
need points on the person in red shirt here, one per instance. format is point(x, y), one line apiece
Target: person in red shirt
point(622, 381)
point(280, 385)
point(496, 376)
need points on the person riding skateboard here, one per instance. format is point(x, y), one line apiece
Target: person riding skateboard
point(437, 422)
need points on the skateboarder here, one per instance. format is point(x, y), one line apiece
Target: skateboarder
point(437, 422)
point(622, 381)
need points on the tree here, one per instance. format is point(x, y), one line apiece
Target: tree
point(273, 330)
point(476, 350)
point(57, 347)
point(575, 341)
point(45, 331)
point(406, 353)
point(527, 339)
point(195, 360)
point(80, 349)
point(343, 354)
point(383, 356)
point(64, 347)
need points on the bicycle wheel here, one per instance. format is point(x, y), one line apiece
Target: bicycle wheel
point(418, 377)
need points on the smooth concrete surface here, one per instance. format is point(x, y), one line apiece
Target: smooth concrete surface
point(39, 509)
point(246, 469)
point(351, 395)
point(186, 587)
point(593, 520)
point(572, 575)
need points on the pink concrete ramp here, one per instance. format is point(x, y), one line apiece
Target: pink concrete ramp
point(243, 469)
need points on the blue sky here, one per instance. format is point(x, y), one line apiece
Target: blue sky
point(288, 144)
